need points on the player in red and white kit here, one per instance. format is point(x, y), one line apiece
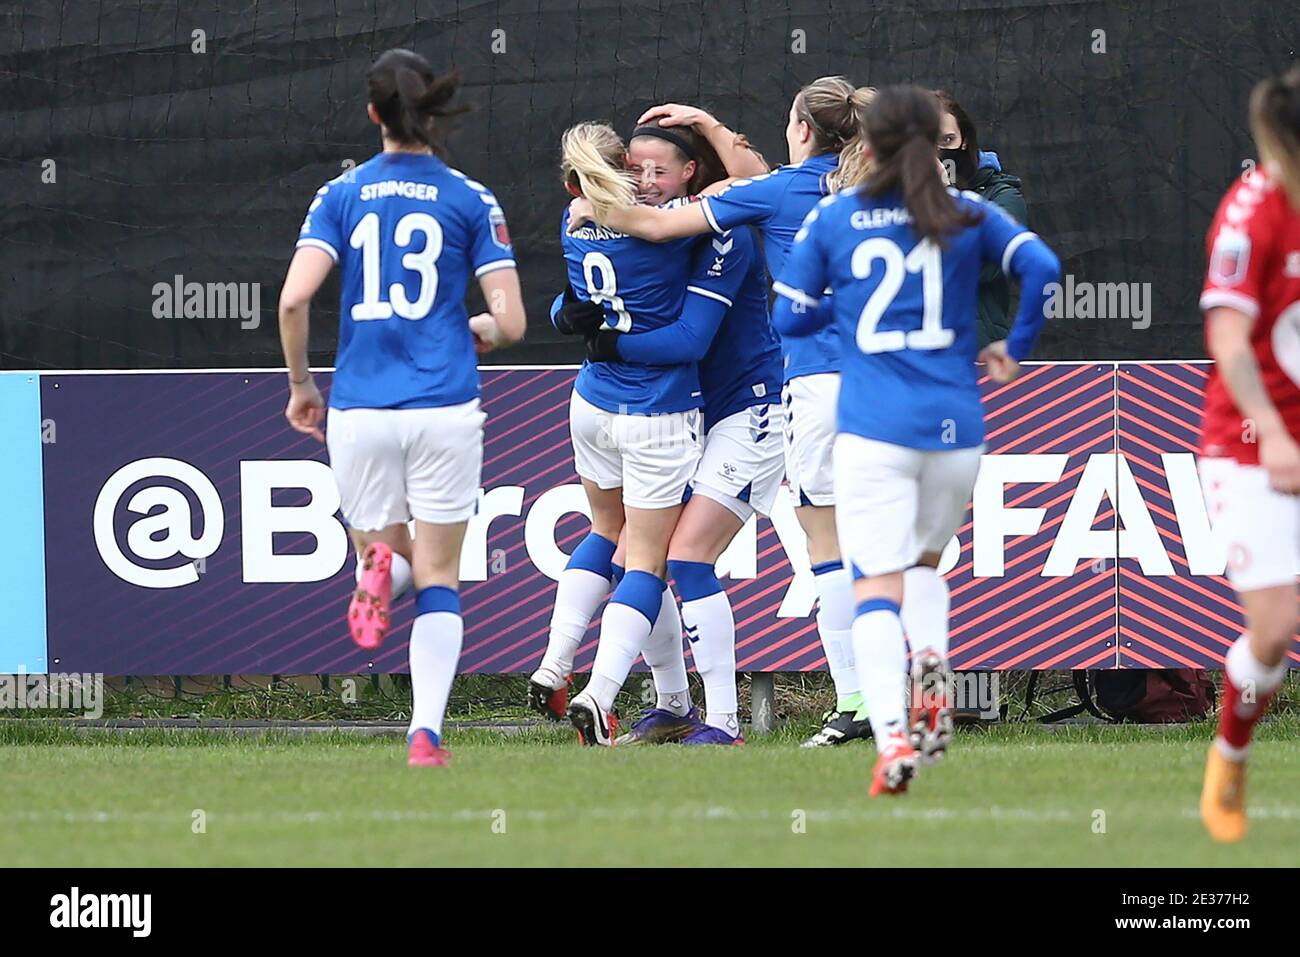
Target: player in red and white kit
point(1250, 436)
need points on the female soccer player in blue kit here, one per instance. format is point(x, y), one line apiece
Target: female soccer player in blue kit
point(741, 466)
point(822, 136)
point(405, 431)
point(902, 255)
point(636, 428)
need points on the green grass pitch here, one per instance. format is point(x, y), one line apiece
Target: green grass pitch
point(1013, 796)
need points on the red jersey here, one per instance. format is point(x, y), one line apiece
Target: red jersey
point(1254, 267)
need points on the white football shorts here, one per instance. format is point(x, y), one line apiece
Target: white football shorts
point(392, 465)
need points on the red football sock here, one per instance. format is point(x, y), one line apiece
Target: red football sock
point(1237, 718)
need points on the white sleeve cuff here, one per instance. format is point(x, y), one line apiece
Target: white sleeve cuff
point(1213, 298)
point(1016, 242)
point(708, 214)
point(494, 266)
point(318, 244)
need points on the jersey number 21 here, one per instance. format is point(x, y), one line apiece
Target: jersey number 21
point(925, 258)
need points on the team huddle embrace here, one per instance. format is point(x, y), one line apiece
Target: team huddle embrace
point(857, 388)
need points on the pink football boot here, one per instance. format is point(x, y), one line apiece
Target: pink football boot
point(424, 750)
point(368, 612)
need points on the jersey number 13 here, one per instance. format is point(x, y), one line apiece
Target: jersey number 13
point(365, 236)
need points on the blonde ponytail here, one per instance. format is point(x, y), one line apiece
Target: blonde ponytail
point(591, 159)
point(855, 165)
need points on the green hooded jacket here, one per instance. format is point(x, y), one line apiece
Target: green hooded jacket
point(995, 302)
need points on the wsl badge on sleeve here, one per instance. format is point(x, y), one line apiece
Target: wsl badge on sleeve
point(1230, 258)
point(500, 232)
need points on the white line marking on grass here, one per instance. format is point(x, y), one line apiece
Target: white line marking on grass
point(635, 815)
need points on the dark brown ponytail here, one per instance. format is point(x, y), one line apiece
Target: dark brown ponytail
point(902, 127)
point(409, 97)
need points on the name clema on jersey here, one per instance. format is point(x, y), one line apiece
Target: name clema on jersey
point(408, 232)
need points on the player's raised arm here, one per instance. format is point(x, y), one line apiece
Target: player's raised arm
point(737, 155)
point(644, 222)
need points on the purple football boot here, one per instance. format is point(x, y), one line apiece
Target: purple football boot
point(708, 734)
point(657, 726)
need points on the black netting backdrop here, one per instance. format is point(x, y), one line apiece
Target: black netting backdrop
point(168, 161)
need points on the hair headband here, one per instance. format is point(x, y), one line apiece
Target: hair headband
point(681, 142)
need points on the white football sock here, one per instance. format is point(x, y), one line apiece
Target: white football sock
point(401, 571)
point(925, 609)
point(578, 594)
point(1243, 669)
point(435, 650)
point(624, 631)
point(663, 654)
point(712, 626)
point(882, 669)
point(835, 627)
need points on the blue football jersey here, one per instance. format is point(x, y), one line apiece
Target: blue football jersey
point(408, 232)
point(777, 203)
point(743, 365)
point(642, 286)
point(724, 326)
point(905, 311)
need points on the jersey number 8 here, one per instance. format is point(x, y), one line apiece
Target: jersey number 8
point(596, 265)
point(366, 238)
point(926, 259)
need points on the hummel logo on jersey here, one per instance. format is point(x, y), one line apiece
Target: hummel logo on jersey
point(1292, 268)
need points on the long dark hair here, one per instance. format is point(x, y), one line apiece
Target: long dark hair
point(1275, 124)
point(409, 97)
point(902, 126)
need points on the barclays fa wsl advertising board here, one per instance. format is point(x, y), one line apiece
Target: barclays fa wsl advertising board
point(172, 523)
